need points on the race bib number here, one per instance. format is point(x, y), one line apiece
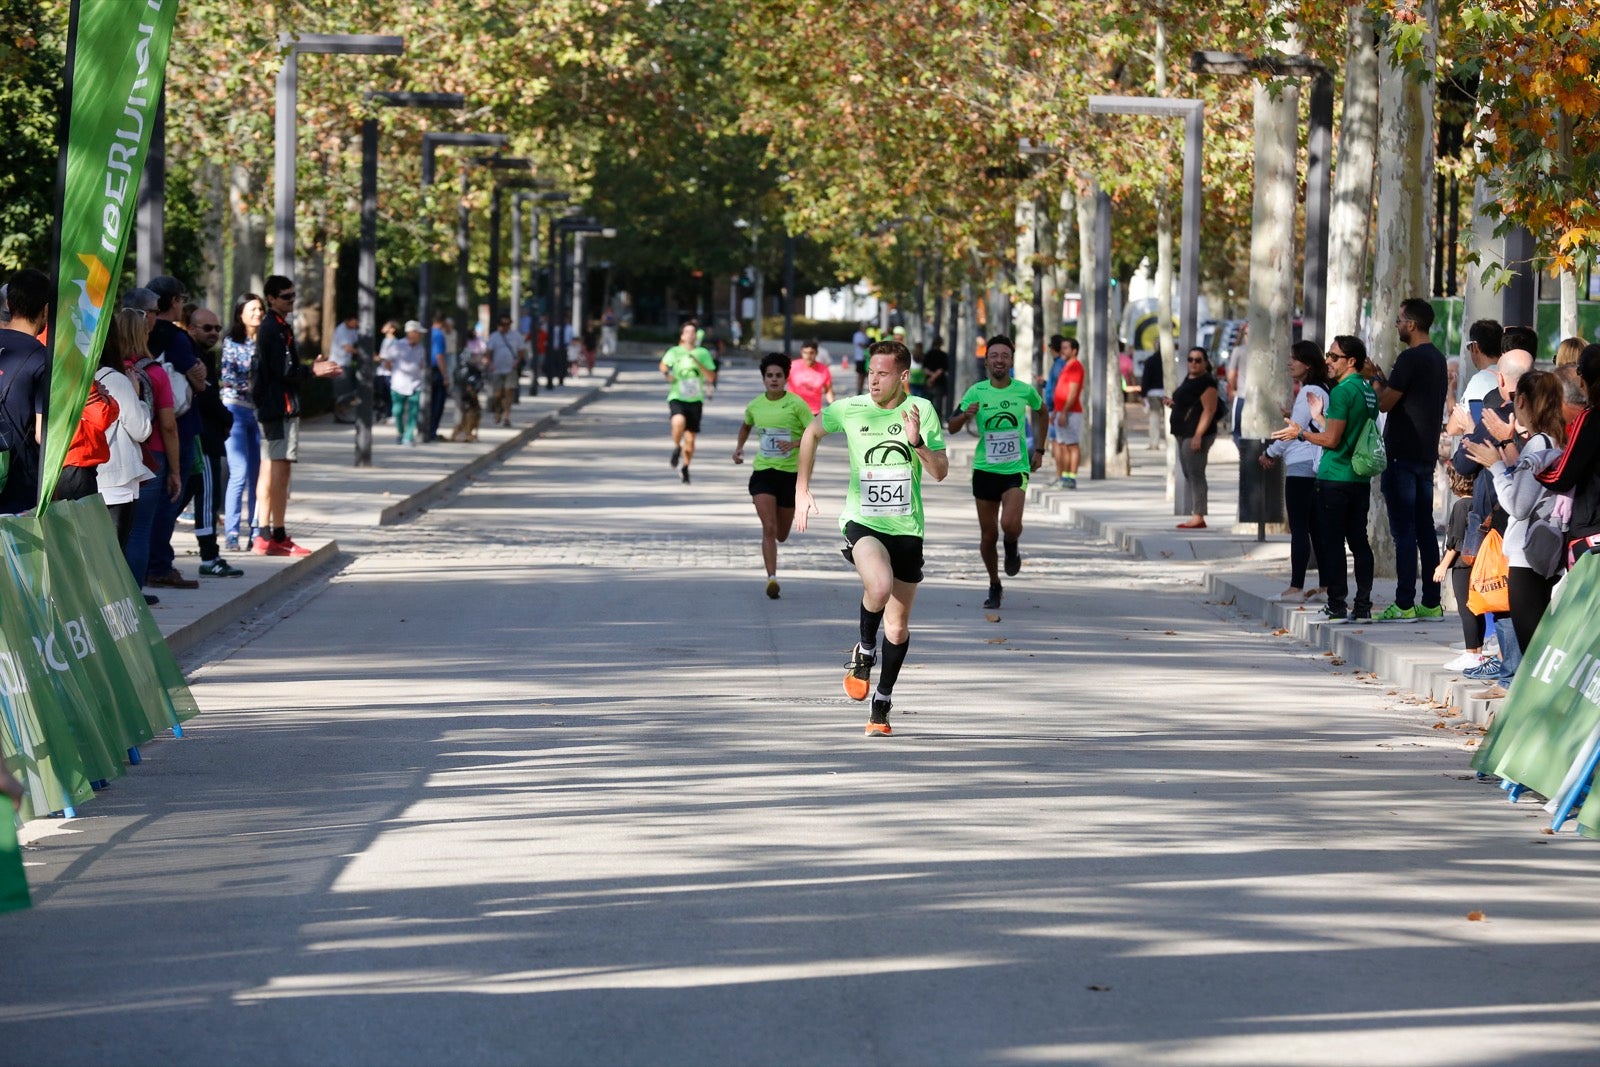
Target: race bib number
point(772, 442)
point(689, 389)
point(885, 491)
point(1004, 446)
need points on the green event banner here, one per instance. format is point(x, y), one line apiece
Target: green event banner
point(85, 674)
point(116, 63)
point(1545, 734)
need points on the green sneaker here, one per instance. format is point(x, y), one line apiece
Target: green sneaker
point(1429, 613)
point(1395, 613)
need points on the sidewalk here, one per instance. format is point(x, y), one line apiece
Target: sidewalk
point(1244, 574)
point(336, 506)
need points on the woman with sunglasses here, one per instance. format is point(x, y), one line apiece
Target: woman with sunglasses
point(1343, 496)
point(1194, 428)
point(1309, 370)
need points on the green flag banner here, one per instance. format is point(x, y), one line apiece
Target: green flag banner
point(13, 882)
point(116, 62)
point(84, 671)
point(1550, 723)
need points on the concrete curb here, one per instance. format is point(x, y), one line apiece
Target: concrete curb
point(226, 614)
point(452, 483)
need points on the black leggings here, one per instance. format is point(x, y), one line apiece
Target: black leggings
point(1472, 626)
point(1529, 593)
point(1300, 501)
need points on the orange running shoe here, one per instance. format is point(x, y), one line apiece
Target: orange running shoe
point(858, 676)
point(878, 724)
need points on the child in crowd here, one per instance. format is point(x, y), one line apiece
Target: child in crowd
point(1457, 563)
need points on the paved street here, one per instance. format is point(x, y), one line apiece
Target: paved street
point(540, 776)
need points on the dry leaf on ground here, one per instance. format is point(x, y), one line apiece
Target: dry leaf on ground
point(1475, 916)
point(990, 618)
point(996, 641)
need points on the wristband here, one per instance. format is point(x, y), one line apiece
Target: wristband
point(915, 444)
point(1502, 444)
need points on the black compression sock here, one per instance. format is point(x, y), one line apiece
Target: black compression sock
point(870, 621)
point(893, 657)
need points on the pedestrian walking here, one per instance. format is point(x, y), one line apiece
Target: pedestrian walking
point(892, 438)
point(1194, 406)
point(408, 361)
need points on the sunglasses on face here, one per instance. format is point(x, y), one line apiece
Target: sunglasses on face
point(1199, 361)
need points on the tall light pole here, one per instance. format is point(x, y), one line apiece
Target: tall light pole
point(367, 270)
point(516, 260)
point(284, 132)
point(1193, 114)
point(430, 142)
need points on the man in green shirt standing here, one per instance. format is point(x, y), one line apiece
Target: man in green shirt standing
point(691, 373)
point(1002, 463)
point(892, 437)
point(779, 419)
point(1343, 496)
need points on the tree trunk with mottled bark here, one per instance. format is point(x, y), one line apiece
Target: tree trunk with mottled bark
point(1350, 220)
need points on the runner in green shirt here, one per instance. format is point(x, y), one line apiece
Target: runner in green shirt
point(779, 418)
point(691, 373)
point(892, 436)
point(1001, 465)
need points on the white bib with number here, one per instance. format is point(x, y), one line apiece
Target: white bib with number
point(885, 491)
point(772, 442)
point(1003, 446)
point(689, 388)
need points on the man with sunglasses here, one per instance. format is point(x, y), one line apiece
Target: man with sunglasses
point(275, 388)
point(1343, 496)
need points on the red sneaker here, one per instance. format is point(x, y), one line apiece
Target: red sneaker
point(261, 546)
point(292, 549)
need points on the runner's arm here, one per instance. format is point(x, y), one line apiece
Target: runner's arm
point(738, 447)
point(804, 504)
point(937, 462)
point(1041, 433)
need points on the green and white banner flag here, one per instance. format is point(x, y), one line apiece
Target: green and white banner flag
point(116, 64)
point(1544, 735)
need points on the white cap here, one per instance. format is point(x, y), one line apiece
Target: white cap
point(413, 326)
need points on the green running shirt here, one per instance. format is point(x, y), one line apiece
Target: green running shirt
point(775, 421)
point(1002, 424)
point(885, 471)
point(688, 368)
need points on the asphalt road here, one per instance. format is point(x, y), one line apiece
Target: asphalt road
point(542, 777)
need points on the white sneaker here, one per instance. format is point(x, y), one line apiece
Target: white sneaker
point(1465, 661)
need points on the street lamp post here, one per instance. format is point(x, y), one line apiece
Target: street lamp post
point(430, 142)
point(579, 229)
point(367, 270)
point(516, 261)
point(1193, 114)
point(284, 133)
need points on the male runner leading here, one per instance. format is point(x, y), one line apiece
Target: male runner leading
point(892, 436)
point(1000, 466)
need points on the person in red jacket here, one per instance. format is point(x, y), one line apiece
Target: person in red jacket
point(89, 447)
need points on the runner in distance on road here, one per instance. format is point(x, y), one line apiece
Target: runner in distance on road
point(779, 418)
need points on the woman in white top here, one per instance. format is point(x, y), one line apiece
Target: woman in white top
point(407, 361)
point(1309, 370)
point(119, 477)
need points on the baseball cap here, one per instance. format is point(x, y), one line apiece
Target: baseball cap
point(413, 326)
point(140, 299)
point(899, 331)
point(165, 285)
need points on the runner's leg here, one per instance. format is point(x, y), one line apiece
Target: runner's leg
point(1011, 505)
point(988, 537)
point(767, 511)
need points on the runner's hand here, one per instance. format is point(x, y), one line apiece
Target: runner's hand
point(738, 455)
point(805, 504)
point(1038, 458)
point(911, 418)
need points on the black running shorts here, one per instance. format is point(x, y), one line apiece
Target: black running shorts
point(771, 482)
point(987, 485)
point(905, 551)
point(690, 410)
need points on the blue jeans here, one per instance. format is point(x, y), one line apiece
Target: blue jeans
point(244, 467)
point(162, 556)
point(1510, 651)
point(152, 493)
point(1408, 492)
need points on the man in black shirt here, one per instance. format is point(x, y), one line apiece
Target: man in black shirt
point(24, 390)
point(1413, 396)
point(936, 362)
